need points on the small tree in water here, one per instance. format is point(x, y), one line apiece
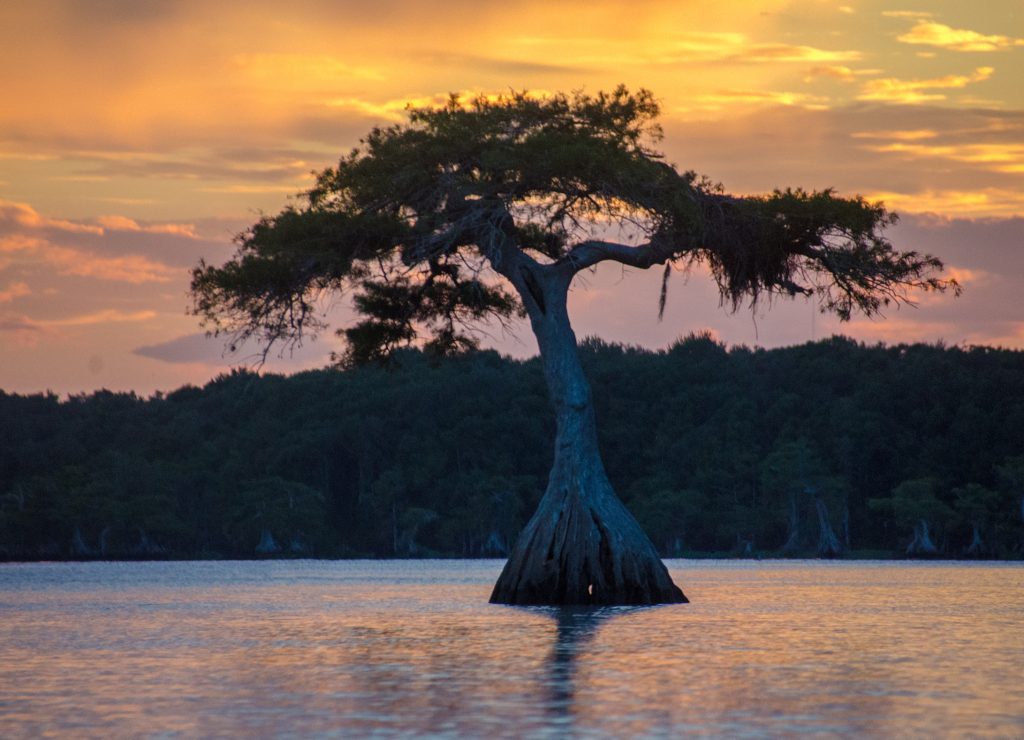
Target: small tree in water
point(489, 208)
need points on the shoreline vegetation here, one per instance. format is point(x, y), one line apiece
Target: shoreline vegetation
point(828, 449)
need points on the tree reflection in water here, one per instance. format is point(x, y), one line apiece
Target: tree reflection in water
point(576, 627)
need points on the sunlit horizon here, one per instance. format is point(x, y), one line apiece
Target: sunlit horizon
point(137, 139)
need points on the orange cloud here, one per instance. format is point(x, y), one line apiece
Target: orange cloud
point(123, 223)
point(106, 316)
point(838, 72)
point(26, 216)
point(28, 331)
point(133, 269)
point(130, 268)
point(14, 290)
point(957, 39)
point(894, 90)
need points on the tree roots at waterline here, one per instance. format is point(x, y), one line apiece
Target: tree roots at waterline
point(584, 550)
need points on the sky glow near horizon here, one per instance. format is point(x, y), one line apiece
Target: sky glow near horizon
point(136, 138)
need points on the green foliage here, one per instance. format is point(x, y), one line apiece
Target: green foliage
point(426, 223)
point(708, 446)
point(914, 500)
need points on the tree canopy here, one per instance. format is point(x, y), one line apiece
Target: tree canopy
point(418, 221)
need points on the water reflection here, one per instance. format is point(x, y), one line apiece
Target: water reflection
point(413, 648)
point(575, 629)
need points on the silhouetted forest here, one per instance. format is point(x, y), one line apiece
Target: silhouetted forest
point(829, 448)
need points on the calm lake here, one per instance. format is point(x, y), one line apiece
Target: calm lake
point(353, 648)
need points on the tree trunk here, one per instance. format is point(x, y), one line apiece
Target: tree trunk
point(922, 543)
point(977, 546)
point(792, 544)
point(828, 543)
point(582, 546)
point(846, 526)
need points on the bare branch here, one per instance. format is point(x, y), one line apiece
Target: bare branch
point(593, 251)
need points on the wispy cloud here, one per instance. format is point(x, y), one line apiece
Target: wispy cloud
point(29, 239)
point(199, 348)
point(687, 47)
point(906, 14)
point(30, 329)
point(26, 216)
point(838, 72)
point(997, 157)
point(930, 33)
point(123, 223)
point(395, 110)
point(901, 135)
point(978, 203)
point(130, 268)
point(895, 90)
point(298, 70)
point(14, 290)
point(106, 316)
point(722, 98)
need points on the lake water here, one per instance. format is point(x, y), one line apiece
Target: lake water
point(355, 648)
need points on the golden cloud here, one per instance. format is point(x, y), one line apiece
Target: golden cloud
point(721, 98)
point(911, 135)
point(981, 203)
point(838, 72)
point(894, 90)
point(691, 47)
point(123, 223)
point(906, 14)
point(396, 109)
point(1002, 157)
point(957, 39)
point(297, 71)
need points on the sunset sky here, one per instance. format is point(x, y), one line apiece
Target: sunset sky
point(137, 137)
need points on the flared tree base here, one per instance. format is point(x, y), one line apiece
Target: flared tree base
point(584, 550)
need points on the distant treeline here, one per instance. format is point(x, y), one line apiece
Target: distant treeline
point(830, 448)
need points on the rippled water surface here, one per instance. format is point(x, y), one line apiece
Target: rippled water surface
point(412, 647)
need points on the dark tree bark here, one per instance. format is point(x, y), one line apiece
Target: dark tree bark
point(582, 545)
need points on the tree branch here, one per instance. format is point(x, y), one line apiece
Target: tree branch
point(591, 252)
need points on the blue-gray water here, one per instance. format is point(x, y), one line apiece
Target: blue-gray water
point(313, 648)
